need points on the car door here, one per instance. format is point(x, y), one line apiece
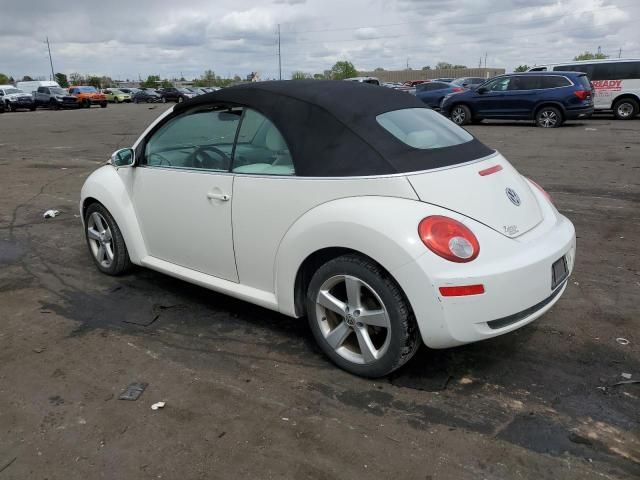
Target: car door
point(490, 99)
point(520, 97)
point(182, 191)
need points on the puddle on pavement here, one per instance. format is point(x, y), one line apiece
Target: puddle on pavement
point(10, 252)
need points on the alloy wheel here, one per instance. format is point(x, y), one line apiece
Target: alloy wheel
point(458, 115)
point(353, 319)
point(100, 239)
point(548, 119)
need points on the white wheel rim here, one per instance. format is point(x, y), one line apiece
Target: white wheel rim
point(100, 239)
point(625, 109)
point(548, 118)
point(458, 115)
point(353, 320)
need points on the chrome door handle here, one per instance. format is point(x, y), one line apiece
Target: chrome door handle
point(219, 196)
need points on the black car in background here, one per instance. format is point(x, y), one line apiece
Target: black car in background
point(147, 96)
point(175, 94)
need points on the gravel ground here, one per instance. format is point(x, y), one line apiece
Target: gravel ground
point(248, 395)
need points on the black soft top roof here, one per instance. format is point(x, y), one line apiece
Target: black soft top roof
point(331, 128)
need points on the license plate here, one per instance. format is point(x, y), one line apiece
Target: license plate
point(559, 272)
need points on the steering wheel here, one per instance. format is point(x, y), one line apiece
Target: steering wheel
point(202, 158)
point(162, 159)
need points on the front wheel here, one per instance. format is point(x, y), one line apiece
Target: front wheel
point(625, 109)
point(360, 318)
point(103, 105)
point(461, 115)
point(549, 117)
point(105, 242)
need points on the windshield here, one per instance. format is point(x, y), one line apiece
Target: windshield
point(184, 90)
point(86, 89)
point(423, 128)
point(57, 91)
point(9, 91)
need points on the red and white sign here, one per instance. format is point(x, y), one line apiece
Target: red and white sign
point(607, 84)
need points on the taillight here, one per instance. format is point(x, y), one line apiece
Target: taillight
point(544, 192)
point(449, 239)
point(582, 94)
point(458, 89)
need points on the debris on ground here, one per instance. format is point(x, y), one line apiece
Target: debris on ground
point(133, 391)
point(622, 341)
point(626, 376)
point(158, 405)
point(39, 349)
point(625, 382)
point(8, 464)
point(51, 213)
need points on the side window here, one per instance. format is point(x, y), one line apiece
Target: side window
point(499, 85)
point(201, 140)
point(555, 82)
point(538, 69)
point(261, 149)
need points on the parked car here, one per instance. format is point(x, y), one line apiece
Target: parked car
point(55, 98)
point(432, 93)
point(616, 83)
point(13, 99)
point(174, 94)
point(117, 96)
point(468, 82)
point(414, 83)
point(445, 80)
point(130, 90)
point(548, 98)
point(88, 96)
point(147, 96)
point(344, 216)
point(369, 80)
point(198, 90)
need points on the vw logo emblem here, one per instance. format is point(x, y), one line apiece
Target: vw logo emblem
point(512, 196)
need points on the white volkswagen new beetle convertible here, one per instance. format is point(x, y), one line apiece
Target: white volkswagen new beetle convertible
point(354, 205)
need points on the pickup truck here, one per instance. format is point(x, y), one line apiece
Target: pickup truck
point(87, 96)
point(55, 98)
point(13, 98)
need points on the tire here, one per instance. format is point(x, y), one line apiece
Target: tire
point(103, 105)
point(460, 115)
point(341, 336)
point(549, 117)
point(105, 238)
point(180, 100)
point(116, 100)
point(32, 108)
point(625, 109)
point(8, 107)
point(164, 100)
point(135, 100)
point(86, 103)
point(53, 105)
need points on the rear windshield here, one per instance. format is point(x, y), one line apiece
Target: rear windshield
point(584, 82)
point(423, 128)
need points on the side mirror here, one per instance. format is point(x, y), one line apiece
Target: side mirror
point(125, 157)
point(482, 90)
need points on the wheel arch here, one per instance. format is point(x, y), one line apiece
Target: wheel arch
point(550, 103)
point(329, 231)
point(630, 95)
point(104, 186)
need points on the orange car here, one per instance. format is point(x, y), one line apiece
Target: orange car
point(88, 96)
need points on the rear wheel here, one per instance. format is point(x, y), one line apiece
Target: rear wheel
point(8, 106)
point(549, 117)
point(360, 318)
point(461, 115)
point(103, 105)
point(625, 109)
point(105, 241)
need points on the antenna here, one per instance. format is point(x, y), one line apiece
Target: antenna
point(53, 75)
point(279, 56)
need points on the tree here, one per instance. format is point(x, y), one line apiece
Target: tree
point(379, 69)
point(319, 76)
point(27, 78)
point(76, 79)
point(591, 56)
point(299, 75)
point(426, 67)
point(151, 81)
point(61, 78)
point(521, 68)
point(342, 70)
point(443, 66)
point(458, 66)
point(3, 78)
point(94, 81)
point(165, 83)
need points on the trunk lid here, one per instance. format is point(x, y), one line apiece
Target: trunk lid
point(499, 198)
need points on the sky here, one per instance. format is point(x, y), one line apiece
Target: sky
point(126, 39)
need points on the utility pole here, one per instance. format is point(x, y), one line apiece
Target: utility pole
point(480, 63)
point(53, 75)
point(599, 50)
point(407, 63)
point(279, 56)
point(485, 59)
point(620, 52)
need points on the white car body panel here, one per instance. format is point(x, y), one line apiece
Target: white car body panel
point(253, 245)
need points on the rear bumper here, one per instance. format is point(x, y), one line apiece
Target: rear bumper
point(517, 278)
point(577, 113)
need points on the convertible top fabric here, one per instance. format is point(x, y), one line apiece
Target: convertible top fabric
point(331, 129)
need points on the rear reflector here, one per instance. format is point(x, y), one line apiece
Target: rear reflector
point(462, 290)
point(490, 170)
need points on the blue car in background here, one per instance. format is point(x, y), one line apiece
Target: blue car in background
point(432, 93)
point(549, 98)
